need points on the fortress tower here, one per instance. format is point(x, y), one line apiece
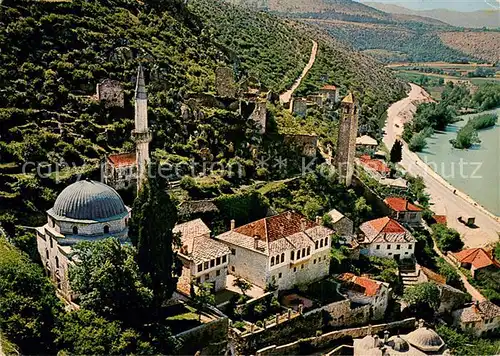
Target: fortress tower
point(346, 143)
point(141, 134)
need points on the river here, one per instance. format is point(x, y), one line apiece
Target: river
point(475, 171)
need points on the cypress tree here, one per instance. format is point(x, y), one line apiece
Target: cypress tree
point(397, 152)
point(153, 217)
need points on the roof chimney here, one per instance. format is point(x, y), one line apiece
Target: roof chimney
point(318, 219)
point(303, 224)
point(233, 224)
point(256, 242)
point(421, 323)
point(375, 339)
point(386, 337)
point(289, 215)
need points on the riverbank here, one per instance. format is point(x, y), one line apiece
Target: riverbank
point(445, 198)
point(475, 170)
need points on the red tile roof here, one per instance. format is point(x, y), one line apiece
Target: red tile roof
point(385, 229)
point(400, 204)
point(276, 227)
point(364, 285)
point(329, 87)
point(122, 159)
point(477, 257)
point(375, 164)
point(440, 219)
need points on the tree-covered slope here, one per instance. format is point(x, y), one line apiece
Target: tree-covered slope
point(54, 53)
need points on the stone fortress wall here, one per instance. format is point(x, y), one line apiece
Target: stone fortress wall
point(330, 339)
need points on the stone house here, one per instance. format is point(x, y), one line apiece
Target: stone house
point(286, 249)
point(120, 170)
point(299, 107)
point(330, 93)
point(206, 210)
point(374, 166)
point(83, 211)
point(474, 259)
point(341, 223)
point(111, 93)
point(307, 144)
point(366, 141)
point(259, 115)
point(203, 258)
point(366, 291)
point(316, 100)
point(403, 211)
point(478, 318)
point(385, 237)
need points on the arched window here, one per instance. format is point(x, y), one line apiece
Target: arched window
point(106, 229)
point(282, 257)
point(308, 251)
point(57, 261)
point(298, 254)
point(292, 255)
point(321, 243)
point(326, 241)
point(47, 254)
point(272, 261)
point(75, 230)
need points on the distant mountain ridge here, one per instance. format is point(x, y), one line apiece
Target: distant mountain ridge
point(475, 19)
point(351, 10)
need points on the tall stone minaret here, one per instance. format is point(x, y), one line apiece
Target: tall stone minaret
point(346, 142)
point(141, 134)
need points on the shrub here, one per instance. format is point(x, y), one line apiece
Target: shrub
point(447, 239)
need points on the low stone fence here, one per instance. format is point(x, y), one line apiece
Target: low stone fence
point(210, 338)
point(330, 339)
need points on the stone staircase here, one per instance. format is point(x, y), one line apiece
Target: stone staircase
point(409, 273)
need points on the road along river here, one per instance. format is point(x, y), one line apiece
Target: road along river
point(446, 199)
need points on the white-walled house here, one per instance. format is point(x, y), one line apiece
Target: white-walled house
point(478, 318)
point(385, 237)
point(366, 291)
point(286, 249)
point(203, 258)
point(403, 211)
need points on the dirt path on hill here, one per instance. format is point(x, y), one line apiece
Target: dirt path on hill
point(445, 199)
point(287, 96)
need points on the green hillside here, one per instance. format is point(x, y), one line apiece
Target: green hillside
point(54, 53)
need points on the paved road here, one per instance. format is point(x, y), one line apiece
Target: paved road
point(443, 198)
point(287, 96)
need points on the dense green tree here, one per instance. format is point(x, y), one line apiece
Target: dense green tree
point(107, 281)
point(450, 273)
point(423, 297)
point(85, 332)
point(465, 344)
point(397, 152)
point(28, 303)
point(447, 239)
point(155, 215)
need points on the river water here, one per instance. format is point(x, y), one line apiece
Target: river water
point(475, 171)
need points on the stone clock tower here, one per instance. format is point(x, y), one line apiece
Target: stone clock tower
point(346, 142)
